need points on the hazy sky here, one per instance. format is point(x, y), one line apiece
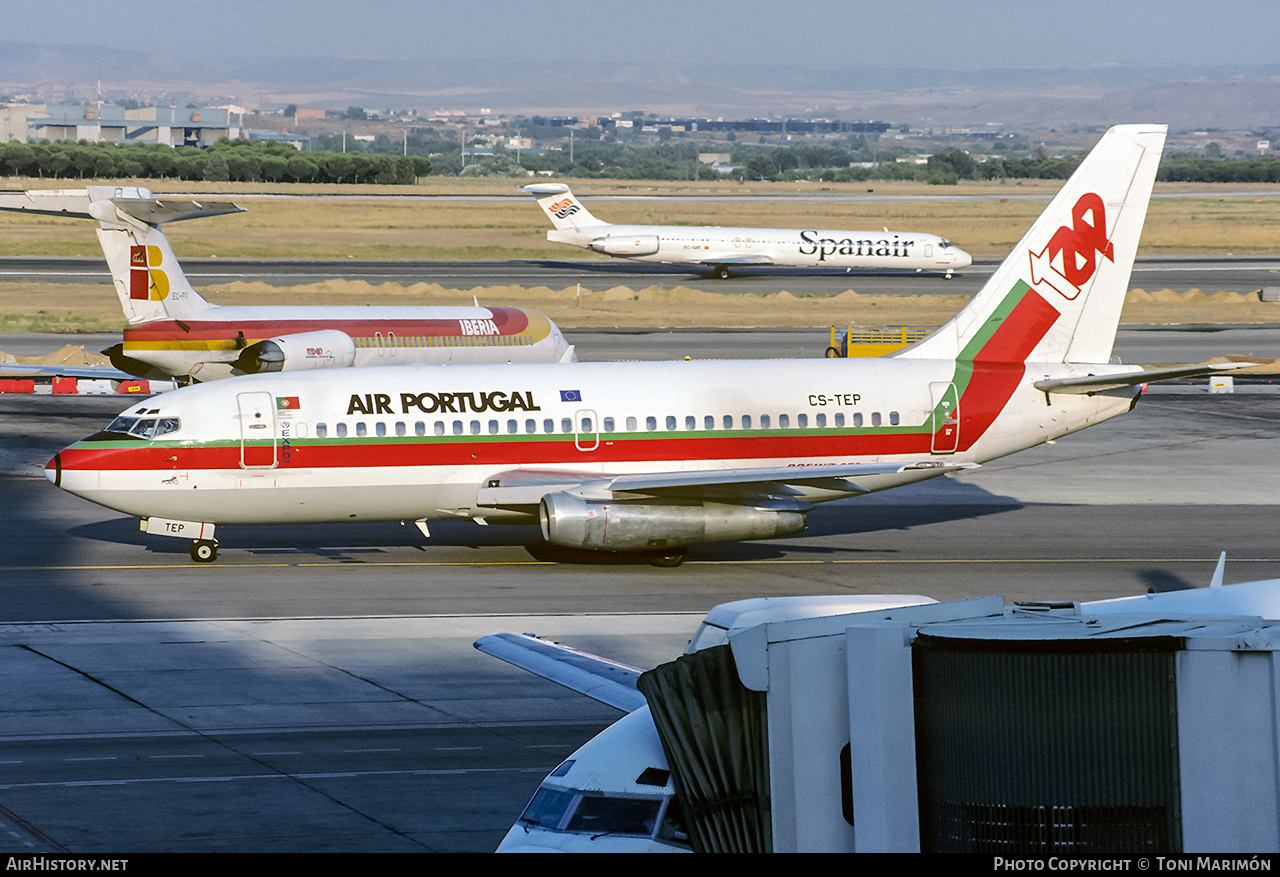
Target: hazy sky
point(914, 33)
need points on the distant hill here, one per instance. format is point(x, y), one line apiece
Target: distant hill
point(1186, 97)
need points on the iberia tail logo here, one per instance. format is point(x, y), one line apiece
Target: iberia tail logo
point(146, 281)
point(1069, 260)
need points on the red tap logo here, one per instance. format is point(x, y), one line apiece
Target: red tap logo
point(1069, 260)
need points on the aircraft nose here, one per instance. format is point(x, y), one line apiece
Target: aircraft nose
point(63, 470)
point(960, 259)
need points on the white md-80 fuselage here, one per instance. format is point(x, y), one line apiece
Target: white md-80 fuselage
point(720, 248)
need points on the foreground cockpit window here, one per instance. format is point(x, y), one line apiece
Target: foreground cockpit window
point(708, 635)
point(576, 812)
point(547, 808)
point(601, 815)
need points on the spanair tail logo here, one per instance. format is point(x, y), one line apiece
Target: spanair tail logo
point(146, 281)
point(1070, 259)
point(563, 209)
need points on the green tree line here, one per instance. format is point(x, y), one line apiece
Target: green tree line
point(385, 161)
point(851, 162)
point(254, 161)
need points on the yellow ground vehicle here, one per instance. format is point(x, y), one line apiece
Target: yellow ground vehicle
point(857, 341)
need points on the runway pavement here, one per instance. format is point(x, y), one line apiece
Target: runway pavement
point(316, 689)
point(1210, 274)
point(1140, 344)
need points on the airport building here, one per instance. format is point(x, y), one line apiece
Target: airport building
point(172, 126)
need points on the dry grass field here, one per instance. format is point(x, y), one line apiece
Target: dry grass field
point(1227, 220)
point(1232, 219)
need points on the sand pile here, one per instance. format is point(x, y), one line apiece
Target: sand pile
point(70, 354)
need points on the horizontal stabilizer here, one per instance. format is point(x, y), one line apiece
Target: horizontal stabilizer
point(47, 203)
point(153, 211)
point(546, 189)
point(136, 203)
point(599, 678)
point(1097, 383)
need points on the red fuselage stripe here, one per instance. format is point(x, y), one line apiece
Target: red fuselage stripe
point(508, 321)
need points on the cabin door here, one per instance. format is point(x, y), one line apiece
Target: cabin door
point(257, 430)
point(586, 430)
point(946, 418)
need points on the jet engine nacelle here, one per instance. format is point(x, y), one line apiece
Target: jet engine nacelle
point(616, 245)
point(574, 522)
point(326, 348)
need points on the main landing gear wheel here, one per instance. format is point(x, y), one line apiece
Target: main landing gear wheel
point(204, 551)
point(722, 273)
point(667, 559)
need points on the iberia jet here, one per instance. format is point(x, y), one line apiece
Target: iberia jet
point(654, 456)
point(174, 332)
point(719, 249)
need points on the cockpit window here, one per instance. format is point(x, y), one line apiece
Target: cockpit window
point(944, 243)
point(572, 810)
point(600, 815)
point(146, 428)
point(547, 808)
point(708, 635)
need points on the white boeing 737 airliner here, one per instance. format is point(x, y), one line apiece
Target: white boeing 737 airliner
point(174, 332)
point(654, 456)
point(719, 249)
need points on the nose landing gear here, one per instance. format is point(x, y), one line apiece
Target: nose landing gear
point(204, 550)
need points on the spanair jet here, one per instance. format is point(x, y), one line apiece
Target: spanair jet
point(651, 457)
point(175, 333)
point(720, 249)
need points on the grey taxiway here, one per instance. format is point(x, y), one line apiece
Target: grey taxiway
point(316, 690)
point(1210, 274)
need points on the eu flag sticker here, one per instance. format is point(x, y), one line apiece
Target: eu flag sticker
point(570, 395)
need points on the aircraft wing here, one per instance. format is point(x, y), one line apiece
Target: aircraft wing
point(606, 681)
point(518, 487)
point(103, 372)
point(1097, 383)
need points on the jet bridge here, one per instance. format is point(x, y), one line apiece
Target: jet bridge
point(974, 727)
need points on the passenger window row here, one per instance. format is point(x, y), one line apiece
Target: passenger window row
point(389, 341)
point(565, 425)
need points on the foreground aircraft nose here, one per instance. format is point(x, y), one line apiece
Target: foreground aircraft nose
point(958, 258)
point(53, 470)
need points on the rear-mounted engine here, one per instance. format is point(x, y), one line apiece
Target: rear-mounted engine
point(617, 245)
point(326, 348)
